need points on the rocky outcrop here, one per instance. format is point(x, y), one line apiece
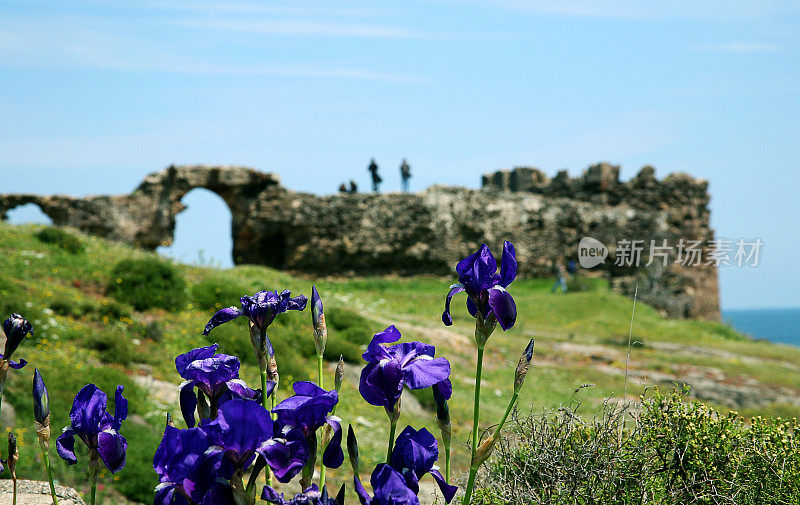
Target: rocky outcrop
point(426, 232)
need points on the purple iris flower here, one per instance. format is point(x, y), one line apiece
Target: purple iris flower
point(286, 452)
point(240, 429)
point(311, 496)
point(414, 455)
point(16, 328)
point(98, 429)
point(486, 290)
point(388, 488)
point(189, 468)
point(243, 429)
point(216, 375)
point(309, 409)
point(390, 368)
point(261, 309)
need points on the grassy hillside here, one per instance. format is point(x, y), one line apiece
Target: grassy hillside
point(82, 335)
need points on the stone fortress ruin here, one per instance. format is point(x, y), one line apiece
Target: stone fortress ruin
point(428, 232)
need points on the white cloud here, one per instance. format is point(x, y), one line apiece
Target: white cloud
point(83, 43)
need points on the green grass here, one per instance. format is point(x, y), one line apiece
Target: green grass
point(84, 335)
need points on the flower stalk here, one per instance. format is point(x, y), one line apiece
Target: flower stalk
point(476, 413)
point(94, 468)
point(13, 457)
point(41, 422)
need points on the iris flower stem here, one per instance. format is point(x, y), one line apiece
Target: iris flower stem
point(264, 404)
point(46, 458)
point(508, 411)
point(15, 491)
point(473, 469)
point(2, 388)
point(447, 461)
point(93, 469)
point(319, 370)
point(392, 431)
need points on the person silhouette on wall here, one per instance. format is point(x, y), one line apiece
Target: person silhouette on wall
point(376, 178)
point(405, 174)
point(353, 187)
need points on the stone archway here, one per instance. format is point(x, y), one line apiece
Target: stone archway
point(203, 230)
point(27, 213)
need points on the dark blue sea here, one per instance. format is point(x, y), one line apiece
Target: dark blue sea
point(776, 325)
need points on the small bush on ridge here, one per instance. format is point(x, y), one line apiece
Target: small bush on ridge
point(148, 283)
point(61, 238)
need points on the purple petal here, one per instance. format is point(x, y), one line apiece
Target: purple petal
point(240, 428)
point(88, 409)
point(120, 408)
point(286, 453)
point(375, 351)
point(472, 308)
point(381, 384)
point(316, 306)
point(297, 303)
point(112, 447)
point(447, 319)
point(221, 317)
point(363, 497)
point(389, 486)
point(447, 490)
point(444, 389)
point(17, 366)
point(333, 457)
point(270, 495)
point(508, 264)
point(188, 402)
point(212, 372)
point(416, 451)
point(422, 373)
point(65, 446)
point(503, 307)
point(486, 265)
point(239, 389)
point(183, 360)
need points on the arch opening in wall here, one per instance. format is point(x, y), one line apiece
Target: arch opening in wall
point(202, 234)
point(28, 213)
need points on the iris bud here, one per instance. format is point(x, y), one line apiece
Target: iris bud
point(318, 320)
point(13, 455)
point(352, 449)
point(41, 409)
point(15, 328)
point(338, 377)
point(41, 400)
point(272, 370)
point(523, 366)
point(485, 450)
point(442, 413)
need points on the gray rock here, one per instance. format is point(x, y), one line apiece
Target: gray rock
point(32, 492)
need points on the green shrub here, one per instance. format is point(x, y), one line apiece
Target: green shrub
point(217, 292)
point(664, 451)
point(62, 239)
point(148, 283)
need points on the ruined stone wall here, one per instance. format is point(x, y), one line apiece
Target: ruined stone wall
point(425, 232)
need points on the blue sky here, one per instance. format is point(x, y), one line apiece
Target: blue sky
point(94, 95)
